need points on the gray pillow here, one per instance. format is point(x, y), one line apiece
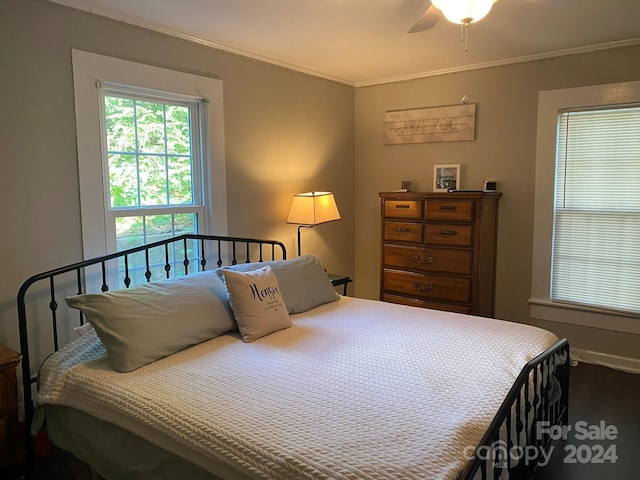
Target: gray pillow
point(256, 302)
point(303, 282)
point(143, 324)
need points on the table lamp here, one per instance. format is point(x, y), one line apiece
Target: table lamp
point(312, 208)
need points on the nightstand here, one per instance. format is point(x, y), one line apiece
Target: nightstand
point(11, 452)
point(337, 280)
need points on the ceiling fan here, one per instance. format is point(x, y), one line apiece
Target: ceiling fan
point(466, 11)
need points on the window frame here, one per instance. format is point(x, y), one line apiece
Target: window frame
point(550, 104)
point(197, 107)
point(89, 71)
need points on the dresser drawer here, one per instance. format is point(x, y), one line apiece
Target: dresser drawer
point(5, 435)
point(409, 209)
point(428, 259)
point(403, 232)
point(7, 391)
point(11, 452)
point(449, 210)
point(448, 234)
point(416, 302)
point(419, 285)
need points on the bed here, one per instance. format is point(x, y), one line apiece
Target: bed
point(335, 387)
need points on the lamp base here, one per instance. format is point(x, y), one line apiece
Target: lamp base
point(299, 227)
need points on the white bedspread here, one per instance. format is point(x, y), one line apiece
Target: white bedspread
point(354, 389)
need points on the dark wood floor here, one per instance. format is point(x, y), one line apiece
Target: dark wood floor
point(597, 394)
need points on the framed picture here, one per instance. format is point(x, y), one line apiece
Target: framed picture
point(446, 177)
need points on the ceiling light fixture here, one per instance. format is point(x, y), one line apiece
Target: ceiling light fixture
point(464, 11)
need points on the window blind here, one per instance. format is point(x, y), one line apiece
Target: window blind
point(596, 243)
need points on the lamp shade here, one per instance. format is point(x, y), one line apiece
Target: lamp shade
point(313, 208)
point(464, 11)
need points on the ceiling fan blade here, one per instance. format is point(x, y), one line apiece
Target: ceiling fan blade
point(427, 21)
point(556, 3)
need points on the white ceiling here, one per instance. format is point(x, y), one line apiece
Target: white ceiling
point(364, 42)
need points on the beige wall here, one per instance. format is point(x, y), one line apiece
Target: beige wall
point(285, 133)
point(504, 149)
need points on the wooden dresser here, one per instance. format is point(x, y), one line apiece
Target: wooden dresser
point(439, 250)
point(11, 452)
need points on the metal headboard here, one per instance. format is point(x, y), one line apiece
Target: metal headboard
point(220, 250)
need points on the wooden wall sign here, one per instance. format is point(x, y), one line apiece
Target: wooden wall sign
point(455, 123)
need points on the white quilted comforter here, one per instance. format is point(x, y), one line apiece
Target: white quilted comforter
point(354, 389)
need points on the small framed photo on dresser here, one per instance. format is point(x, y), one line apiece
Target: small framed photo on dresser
point(446, 177)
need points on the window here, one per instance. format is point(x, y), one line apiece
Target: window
point(150, 154)
point(596, 259)
point(153, 169)
point(586, 264)
point(152, 163)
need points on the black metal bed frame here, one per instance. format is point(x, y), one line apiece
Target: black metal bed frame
point(209, 246)
point(540, 393)
point(529, 401)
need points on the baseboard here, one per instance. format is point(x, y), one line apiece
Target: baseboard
point(626, 364)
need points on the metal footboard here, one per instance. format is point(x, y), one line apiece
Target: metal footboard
point(514, 442)
point(165, 258)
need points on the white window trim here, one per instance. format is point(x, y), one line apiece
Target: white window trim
point(549, 105)
point(90, 68)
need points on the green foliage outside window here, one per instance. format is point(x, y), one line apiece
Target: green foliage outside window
point(149, 155)
point(149, 151)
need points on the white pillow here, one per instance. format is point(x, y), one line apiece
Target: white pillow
point(142, 324)
point(256, 302)
point(303, 282)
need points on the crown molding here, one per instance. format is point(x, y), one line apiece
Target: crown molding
point(195, 39)
point(504, 62)
point(405, 78)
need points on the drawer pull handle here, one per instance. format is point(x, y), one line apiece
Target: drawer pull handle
point(400, 229)
point(447, 207)
point(448, 232)
point(419, 259)
point(400, 205)
point(423, 287)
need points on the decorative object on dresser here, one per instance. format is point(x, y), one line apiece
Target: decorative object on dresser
point(446, 177)
point(489, 185)
point(11, 453)
point(312, 208)
point(439, 250)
